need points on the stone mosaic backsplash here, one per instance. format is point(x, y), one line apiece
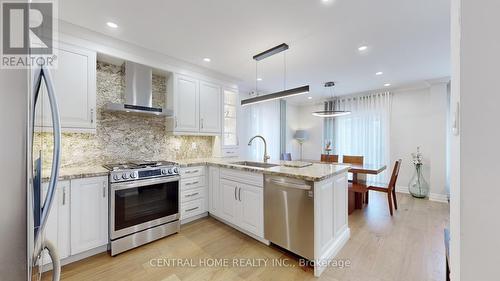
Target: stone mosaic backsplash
point(119, 136)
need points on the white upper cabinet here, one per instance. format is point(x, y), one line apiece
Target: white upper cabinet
point(186, 104)
point(210, 108)
point(75, 90)
point(89, 214)
point(196, 105)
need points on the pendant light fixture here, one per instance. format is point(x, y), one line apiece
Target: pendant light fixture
point(330, 106)
point(277, 95)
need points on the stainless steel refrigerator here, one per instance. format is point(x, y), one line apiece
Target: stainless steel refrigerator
point(23, 209)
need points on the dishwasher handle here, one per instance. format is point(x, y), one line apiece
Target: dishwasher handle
point(289, 184)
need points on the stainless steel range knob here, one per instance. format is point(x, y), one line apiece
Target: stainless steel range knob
point(125, 176)
point(170, 171)
point(116, 177)
point(164, 171)
point(133, 175)
point(176, 170)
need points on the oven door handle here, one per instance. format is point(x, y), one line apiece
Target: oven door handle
point(142, 183)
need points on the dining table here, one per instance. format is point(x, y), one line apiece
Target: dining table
point(359, 173)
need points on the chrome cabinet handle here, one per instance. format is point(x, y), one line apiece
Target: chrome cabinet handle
point(192, 209)
point(175, 120)
point(191, 195)
point(239, 193)
point(43, 73)
point(103, 190)
point(64, 196)
point(235, 193)
point(92, 116)
point(191, 183)
point(192, 171)
point(201, 123)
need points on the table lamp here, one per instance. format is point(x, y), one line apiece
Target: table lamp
point(301, 137)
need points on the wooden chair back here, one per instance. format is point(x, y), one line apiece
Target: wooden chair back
point(394, 176)
point(286, 156)
point(329, 158)
point(353, 159)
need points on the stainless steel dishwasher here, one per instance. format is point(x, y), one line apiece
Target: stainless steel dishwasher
point(289, 214)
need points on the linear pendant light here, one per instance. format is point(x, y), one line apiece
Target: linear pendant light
point(278, 95)
point(330, 112)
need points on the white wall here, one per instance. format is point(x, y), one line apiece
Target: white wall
point(478, 86)
point(293, 124)
point(418, 119)
point(312, 147)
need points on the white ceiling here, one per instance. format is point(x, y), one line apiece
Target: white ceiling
point(408, 39)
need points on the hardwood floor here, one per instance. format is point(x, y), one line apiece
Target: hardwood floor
point(408, 246)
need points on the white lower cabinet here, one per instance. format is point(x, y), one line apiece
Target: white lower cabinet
point(242, 204)
point(213, 188)
point(251, 209)
point(57, 229)
point(89, 214)
point(228, 190)
point(193, 193)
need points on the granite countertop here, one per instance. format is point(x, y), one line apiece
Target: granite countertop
point(69, 173)
point(314, 172)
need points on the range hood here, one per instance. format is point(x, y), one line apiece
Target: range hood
point(138, 92)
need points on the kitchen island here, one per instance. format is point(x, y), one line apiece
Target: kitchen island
point(303, 210)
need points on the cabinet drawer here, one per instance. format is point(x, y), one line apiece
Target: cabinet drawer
point(192, 208)
point(193, 194)
point(190, 172)
point(191, 183)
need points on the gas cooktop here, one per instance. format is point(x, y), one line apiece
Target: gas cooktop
point(137, 165)
point(140, 170)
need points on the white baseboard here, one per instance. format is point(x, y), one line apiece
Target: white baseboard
point(193, 218)
point(442, 198)
point(77, 257)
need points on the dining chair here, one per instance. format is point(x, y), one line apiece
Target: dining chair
point(353, 159)
point(390, 189)
point(286, 156)
point(329, 158)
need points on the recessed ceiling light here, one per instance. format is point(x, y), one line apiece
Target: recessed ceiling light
point(379, 73)
point(309, 98)
point(259, 79)
point(207, 60)
point(112, 24)
point(362, 48)
point(387, 84)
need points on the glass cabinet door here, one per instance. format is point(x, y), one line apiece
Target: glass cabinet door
point(230, 136)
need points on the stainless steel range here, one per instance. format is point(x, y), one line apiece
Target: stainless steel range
point(144, 203)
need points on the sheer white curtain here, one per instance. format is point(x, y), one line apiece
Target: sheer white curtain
point(366, 131)
point(262, 119)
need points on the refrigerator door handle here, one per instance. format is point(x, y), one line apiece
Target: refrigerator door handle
point(39, 244)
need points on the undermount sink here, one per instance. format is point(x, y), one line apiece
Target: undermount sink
point(254, 164)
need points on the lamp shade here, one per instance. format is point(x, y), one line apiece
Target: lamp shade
point(300, 135)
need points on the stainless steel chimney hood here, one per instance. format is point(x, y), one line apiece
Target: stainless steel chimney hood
point(138, 92)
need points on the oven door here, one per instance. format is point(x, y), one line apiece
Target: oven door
point(142, 204)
